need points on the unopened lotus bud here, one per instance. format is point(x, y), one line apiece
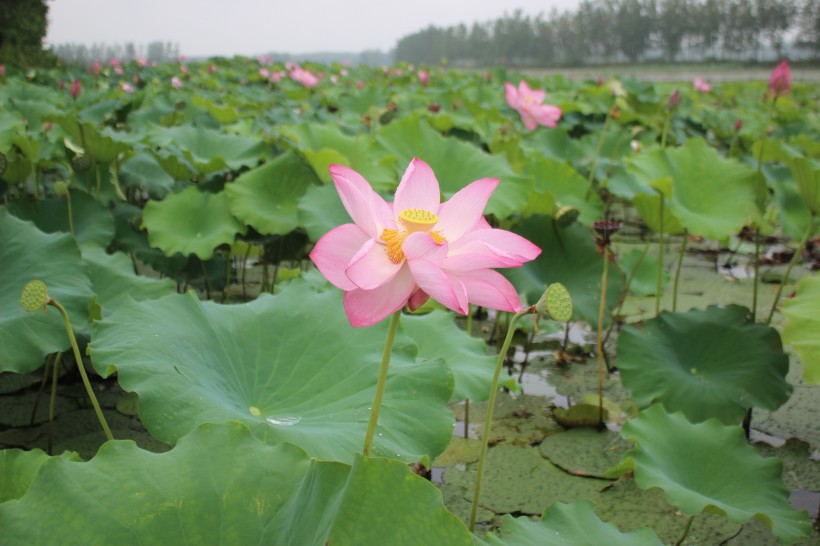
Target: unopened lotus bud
point(780, 82)
point(565, 216)
point(80, 163)
point(61, 188)
point(75, 89)
point(674, 100)
point(555, 303)
point(738, 125)
point(34, 296)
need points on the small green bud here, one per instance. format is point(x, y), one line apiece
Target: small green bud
point(555, 304)
point(34, 296)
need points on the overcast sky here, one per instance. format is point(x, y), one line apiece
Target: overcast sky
point(247, 27)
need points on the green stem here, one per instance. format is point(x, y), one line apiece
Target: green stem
point(677, 270)
point(759, 180)
point(685, 531)
point(78, 357)
point(53, 401)
point(377, 400)
point(591, 177)
point(665, 130)
point(756, 274)
point(625, 293)
point(70, 212)
point(797, 254)
point(601, 309)
point(660, 262)
point(467, 418)
point(469, 326)
point(488, 419)
point(36, 183)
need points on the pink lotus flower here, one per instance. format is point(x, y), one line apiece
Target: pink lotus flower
point(96, 66)
point(2, 69)
point(212, 68)
point(528, 103)
point(176, 83)
point(780, 82)
point(701, 85)
point(126, 87)
point(305, 77)
point(276, 77)
point(424, 77)
point(75, 89)
point(264, 72)
point(404, 252)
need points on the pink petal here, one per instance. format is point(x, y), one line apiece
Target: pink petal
point(418, 299)
point(499, 241)
point(334, 251)
point(528, 120)
point(371, 267)
point(356, 195)
point(547, 115)
point(511, 95)
point(367, 307)
point(462, 211)
point(490, 289)
point(436, 283)
point(479, 255)
point(422, 246)
point(418, 189)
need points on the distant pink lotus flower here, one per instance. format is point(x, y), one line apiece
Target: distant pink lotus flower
point(75, 89)
point(738, 125)
point(212, 68)
point(780, 82)
point(176, 83)
point(528, 103)
point(344, 72)
point(334, 79)
point(141, 62)
point(701, 85)
point(404, 252)
point(126, 87)
point(114, 61)
point(359, 84)
point(424, 77)
point(96, 66)
point(2, 69)
point(305, 77)
point(264, 72)
point(276, 77)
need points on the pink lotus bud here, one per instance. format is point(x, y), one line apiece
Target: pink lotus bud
point(114, 61)
point(738, 125)
point(176, 83)
point(780, 82)
point(96, 66)
point(674, 100)
point(2, 69)
point(359, 84)
point(75, 89)
point(701, 85)
point(424, 77)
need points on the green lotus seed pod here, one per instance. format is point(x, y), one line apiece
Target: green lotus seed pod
point(61, 188)
point(555, 304)
point(565, 216)
point(34, 296)
point(80, 163)
point(4, 162)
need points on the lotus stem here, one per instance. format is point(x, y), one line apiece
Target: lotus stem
point(593, 166)
point(797, 253)
point(466, 418)
point(78, 357)
point(628, 284)
point(681, 254)
point(70, 212)
point(660, 261)
point(53, 401)
point(601, 309)
point(469, 326)
point(760, 180)
point(488, 419)
point(756, 274)
point(377, 400)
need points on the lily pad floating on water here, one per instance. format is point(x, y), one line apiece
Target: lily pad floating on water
point(252, 493)
point(568, 525)
point(710, 467)
point(705, 363)
point(288, 366)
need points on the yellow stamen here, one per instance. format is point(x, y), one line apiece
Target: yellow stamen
point(413, 221)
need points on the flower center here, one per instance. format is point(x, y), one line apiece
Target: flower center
point(410, 221)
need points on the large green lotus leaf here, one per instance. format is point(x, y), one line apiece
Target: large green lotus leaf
point(438, 336)
point(705, 363)
point(221, 113)
point(190, 222)
point(568, 187)
point(648, 206)
point(807, 174)
point(18, 469)
point(266, 198)
point(568, 525)
point(323, 144)
point(27, 254)
point(711, 196)
point(144, 171)
point(93, 223)
point(113, 279)
point(221, 485)
point(289, 366)
point(568, 256)
point(209, 150)
point(803, 324)
point(645, 279)
point(519, 479)
point(97, 145)
point(321, 210)
point(456, 163)
point(709, 466)
point(584, 451)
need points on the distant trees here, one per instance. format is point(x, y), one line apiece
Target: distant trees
point(23, 25)
point(625, 30)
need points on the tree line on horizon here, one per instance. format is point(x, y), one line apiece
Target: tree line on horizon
point(607, 31)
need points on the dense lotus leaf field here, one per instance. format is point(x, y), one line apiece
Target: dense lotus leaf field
point(176, 215)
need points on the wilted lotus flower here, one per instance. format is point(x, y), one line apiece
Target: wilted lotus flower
point(701, 85)
point(75, 89)
point(424, 77)
point(528, 103)
point(403, 253)
point(780, 82)
point(176, 83)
